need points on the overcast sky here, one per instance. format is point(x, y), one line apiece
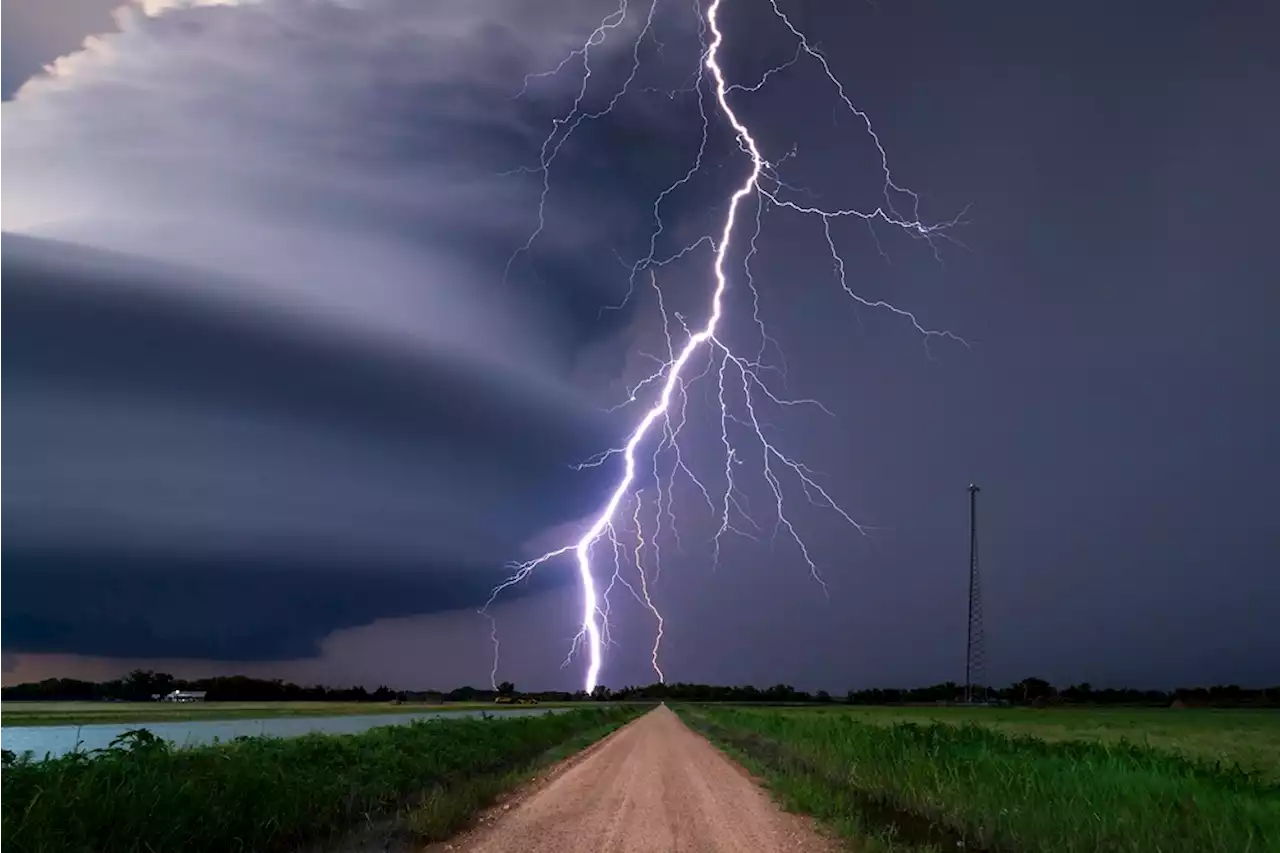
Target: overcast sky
point(278, 403)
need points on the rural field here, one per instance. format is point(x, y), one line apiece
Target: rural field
point(87, 713)
point(413, 784)
point(1017, 779)
point(877, 780)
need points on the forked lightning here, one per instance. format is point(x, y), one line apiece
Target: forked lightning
point(665, 417)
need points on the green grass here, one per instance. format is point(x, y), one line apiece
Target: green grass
point(87, 713)
point(1247, 738)
point(445, 810)
point(933, 779)
point(267, 794)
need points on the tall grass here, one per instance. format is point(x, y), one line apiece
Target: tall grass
point(938, 786)
point(1249, 738)
point(14, 714)
point(267, 794)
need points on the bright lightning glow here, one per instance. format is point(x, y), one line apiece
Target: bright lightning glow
point(154, 8)
point(674, 375)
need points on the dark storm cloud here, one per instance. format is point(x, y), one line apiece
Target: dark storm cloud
point(77, 327)
point(269, 379)
point(132, 604)
point(138, 518)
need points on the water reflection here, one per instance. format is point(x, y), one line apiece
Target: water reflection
point(57, 740)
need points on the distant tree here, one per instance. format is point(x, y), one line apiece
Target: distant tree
point(142, 684)
point(1082, 692)
point(1032, 689)
point(779, 693)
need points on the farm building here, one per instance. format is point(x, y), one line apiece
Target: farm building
point(185, 696)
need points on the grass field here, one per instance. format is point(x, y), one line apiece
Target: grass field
point(419, 782)
point(86, 713)
point(1068, 780)
point(1248, 738)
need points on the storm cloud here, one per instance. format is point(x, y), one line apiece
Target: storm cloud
point(265, 353)
point(276, 401)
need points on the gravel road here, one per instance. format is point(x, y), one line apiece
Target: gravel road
point(652, 786)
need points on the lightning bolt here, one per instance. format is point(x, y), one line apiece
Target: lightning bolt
point(736, 375)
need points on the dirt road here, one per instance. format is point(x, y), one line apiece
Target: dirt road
point(652, 786)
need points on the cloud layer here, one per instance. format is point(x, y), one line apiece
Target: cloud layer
point(344, 160)
point(265, 354)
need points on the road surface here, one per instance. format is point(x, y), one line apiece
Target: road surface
point(652, 786)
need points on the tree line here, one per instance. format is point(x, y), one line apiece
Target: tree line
point(1029, 691)
point(143, 685)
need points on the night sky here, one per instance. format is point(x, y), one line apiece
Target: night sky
point(275, 403)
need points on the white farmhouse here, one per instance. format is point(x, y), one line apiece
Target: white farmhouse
point(185, 696)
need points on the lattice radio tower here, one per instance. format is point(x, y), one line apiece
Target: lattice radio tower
point(975, 668)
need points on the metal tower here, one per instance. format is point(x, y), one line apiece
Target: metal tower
point(975, 675)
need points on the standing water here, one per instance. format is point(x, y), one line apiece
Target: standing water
point(48, 741)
